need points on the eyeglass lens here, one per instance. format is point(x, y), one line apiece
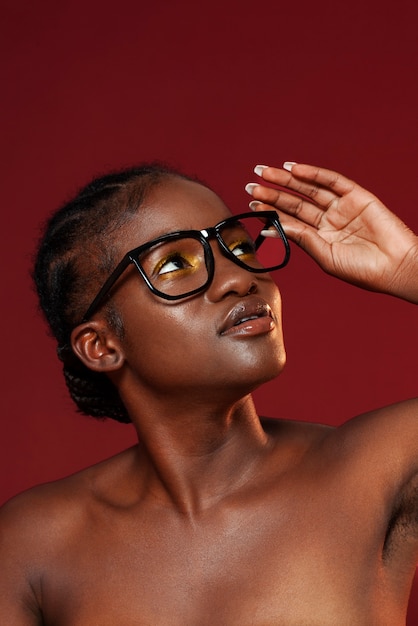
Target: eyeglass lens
point(178, 266)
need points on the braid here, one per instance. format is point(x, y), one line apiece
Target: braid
point(95, 395)
point(74, 257)
point(93, 392)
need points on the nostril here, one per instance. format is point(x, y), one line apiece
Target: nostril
point(252, 288)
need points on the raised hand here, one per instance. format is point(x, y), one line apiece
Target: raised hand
point(345, 228)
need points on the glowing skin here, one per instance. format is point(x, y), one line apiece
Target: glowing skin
point(182, 339)
point(216, 516)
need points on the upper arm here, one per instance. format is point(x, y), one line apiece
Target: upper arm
point(19, 604)
point(396, 435)
point(384, 445)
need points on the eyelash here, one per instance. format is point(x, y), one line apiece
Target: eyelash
point(170, 258)
point(246, 244)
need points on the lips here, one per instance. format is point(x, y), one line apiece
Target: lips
point(250, 315)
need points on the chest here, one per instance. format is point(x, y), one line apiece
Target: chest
point(269, 562)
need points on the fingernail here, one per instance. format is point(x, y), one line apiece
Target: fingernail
point(249, 188)
point(259, 169)
point(287, 165)
point(270, 233)
point(254, 204)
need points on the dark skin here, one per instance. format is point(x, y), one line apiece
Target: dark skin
point(218, 517)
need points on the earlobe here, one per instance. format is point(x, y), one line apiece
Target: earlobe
point(97, 347)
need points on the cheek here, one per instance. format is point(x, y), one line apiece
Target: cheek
point(164, 338)
point(170, 344)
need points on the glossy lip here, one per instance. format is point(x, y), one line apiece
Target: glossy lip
point(245, 312)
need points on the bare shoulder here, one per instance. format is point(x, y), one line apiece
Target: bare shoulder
point(393, 427)
point(38, 510)
point(382, 443)
point(41, 525)
point(31, 525)
point(38, 516)
point(385, 440)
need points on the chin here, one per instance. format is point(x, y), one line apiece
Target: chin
point(274, 373)
point(269, 368)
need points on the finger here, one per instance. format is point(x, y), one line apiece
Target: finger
point(339, 184)
point(296, 206)
point(309, 178)
point(304, 235)
point(319, 195)
point(308, 239)
point(329, 179)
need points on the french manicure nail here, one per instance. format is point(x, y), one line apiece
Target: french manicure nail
point(259, 169)
point(287, 165)
point(254, 204)
point(270, 233)
point(249, 188)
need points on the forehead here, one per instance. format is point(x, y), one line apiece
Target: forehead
point(176, 204)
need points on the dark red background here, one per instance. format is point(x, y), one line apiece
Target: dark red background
point(213, 88)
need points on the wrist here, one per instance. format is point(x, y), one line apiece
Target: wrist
point(405, 284)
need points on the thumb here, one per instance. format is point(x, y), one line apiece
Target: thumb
point(307, 238)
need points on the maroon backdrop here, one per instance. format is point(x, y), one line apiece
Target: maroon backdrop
point(213, 88)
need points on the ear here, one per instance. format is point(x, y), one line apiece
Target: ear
point(97, 347)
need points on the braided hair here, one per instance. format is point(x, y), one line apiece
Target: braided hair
point(74, 257)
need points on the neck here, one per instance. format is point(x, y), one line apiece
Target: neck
point(196, 454)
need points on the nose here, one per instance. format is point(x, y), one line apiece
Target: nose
point(229, 278)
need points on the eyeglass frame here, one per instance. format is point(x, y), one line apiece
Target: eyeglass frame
point(200, 235)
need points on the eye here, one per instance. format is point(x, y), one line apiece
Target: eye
point(172, 263)
point(244, 247)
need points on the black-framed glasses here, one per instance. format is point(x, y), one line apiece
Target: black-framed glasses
point(181, 264)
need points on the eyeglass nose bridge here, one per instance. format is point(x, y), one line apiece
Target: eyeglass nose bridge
point(213, 232)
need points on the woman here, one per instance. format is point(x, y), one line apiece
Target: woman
point(165, 316)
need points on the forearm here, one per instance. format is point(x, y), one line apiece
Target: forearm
point(405, 282)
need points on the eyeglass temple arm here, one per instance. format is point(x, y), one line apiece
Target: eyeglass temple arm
point(98, 300)
point(272, 221)
point(276, 223)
